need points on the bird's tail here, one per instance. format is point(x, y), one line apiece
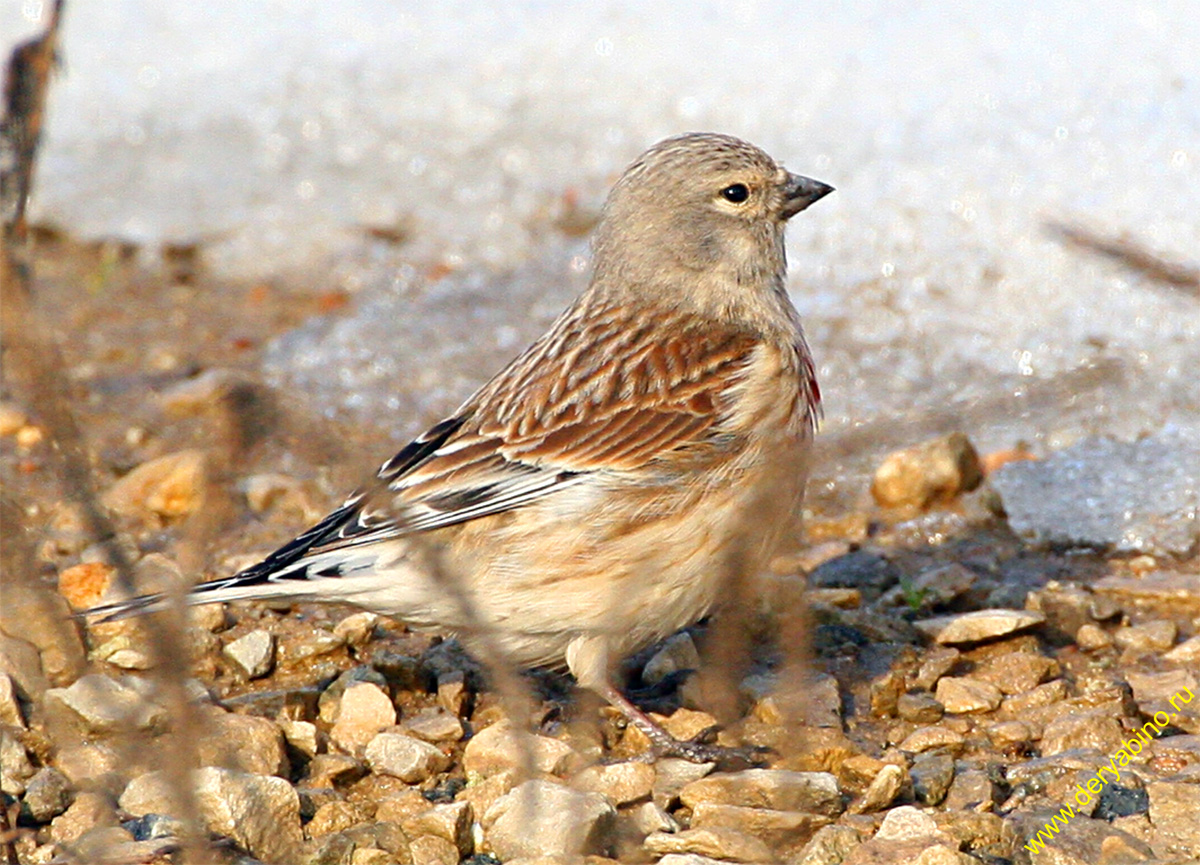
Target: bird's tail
point(281, 574)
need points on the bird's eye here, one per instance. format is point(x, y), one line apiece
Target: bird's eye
point(737, 193)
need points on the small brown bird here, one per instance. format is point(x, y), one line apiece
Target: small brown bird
point(587, 500)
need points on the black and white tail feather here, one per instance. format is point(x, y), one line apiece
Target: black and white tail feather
point(341, 544)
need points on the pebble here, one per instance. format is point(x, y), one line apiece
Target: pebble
point(501, 747)
point(716, 843)
point(434, 725)
point(677, 653)
point(99, 705)
point(1093, 638)
point(884, 788)
point(779, 830)
point(84, 585)
point(300, 735)
point(261, 813)
point(866, 571)
point(10, 706)
point(928, 473)
point(920, 707)
point(15, 766)
point(169, 487)
point(243, 742)
point(400, 756)
point(775, 789)
point(433, 850)
point(19, 661)
point(931, 773)
point(88, 811)
point(621, 783)
point(1016, 672)
point(253, 653)
point(1187, 652)
point(964, 695)
point(1095, 729)
point(363, 711)
point(977, 626)
point(1173, 810)
point(40, 617)
point(832, 844)
point(540, 818)
point(334, 816)
point(1155, 636)
point(932, 738)
point(357, 628)
point(451, 822)
point(47, 794)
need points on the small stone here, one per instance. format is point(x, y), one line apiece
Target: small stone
point(621, 783)
point(963, 695)
point(829, 846)
point(451, 822)
point(1149, 688)
point(98, 705)
point(920, 707)
point(1018, 705)
point(434, 725)
point(482, 793)
point(169, 487)
point(243, 742)
point(907, 823)
point(261, 813)
point(1016, 672)
point(931, 776)
point(1187, 652)
point(15, 766)
point(253, 653)
point(47, 795)
point(1156, 636)
point(500, 747)
point(1093, 638)
point(404, 757)
point(931, 472)
point(540, 818)
point(776, 789)
point(977, 626)
point(332, 770)
point(334, 816)
point(1094, 729)
point(375, 856)
point(925, 739)
point(870, 573)
point(301, 735)
point(648, 817)
point(88, 811)
point(433, 850)
point(677, 653)
point(10, 706)
point(452, 691)
point(1173, 810)
point(971, 789)
point(357, 628)
point(937, 662)
point(364, 710)
point(1010, 735)
point(777, 829)
point(716, 843)
point(83, 585)
point(884, 789)
point(671, 775)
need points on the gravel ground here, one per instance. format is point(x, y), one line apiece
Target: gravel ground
point(966, 682)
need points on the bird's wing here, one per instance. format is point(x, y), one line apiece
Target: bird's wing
point(597, 394)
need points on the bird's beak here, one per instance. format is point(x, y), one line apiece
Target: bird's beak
point(799, 192)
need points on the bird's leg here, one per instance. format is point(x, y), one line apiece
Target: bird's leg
point(587, 658)
point(695, 750)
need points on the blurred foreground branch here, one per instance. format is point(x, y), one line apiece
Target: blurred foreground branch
point(1130, 253)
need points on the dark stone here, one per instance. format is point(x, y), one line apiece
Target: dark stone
point(1121, 802)
point(869, 572)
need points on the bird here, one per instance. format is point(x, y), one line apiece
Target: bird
point(589, 500)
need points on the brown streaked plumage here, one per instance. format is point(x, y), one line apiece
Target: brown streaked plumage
point(588, 495)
